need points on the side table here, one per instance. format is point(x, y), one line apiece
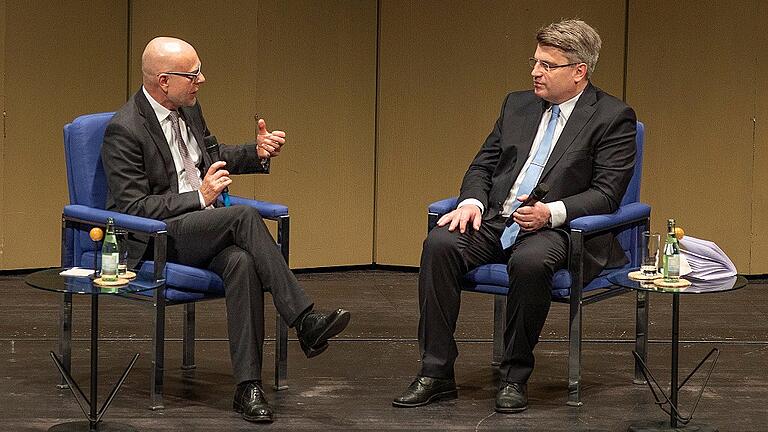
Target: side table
point(51, 280)
point(677, 422)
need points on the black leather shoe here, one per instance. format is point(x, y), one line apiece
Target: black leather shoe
point(512, 398)
point(251, 403)
point(425, 390)
point(315, 329)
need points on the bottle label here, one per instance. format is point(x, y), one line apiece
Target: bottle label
point(109, 266)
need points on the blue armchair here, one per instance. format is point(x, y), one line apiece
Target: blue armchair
point(184, 285)
point(569, 286)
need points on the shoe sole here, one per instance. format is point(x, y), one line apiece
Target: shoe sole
point(337, 326)
point(446, 395)
point(510, 410)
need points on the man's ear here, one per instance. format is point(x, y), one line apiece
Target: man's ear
point(580, 74)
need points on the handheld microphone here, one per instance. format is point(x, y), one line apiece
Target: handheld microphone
point(537, 194)
point(212, 147)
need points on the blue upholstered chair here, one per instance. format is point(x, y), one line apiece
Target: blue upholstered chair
point(569, 286)
point(184, 285)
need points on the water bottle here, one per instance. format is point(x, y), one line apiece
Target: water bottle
point(110, 253)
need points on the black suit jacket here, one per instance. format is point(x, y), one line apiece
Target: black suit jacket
point(141, 175)
point(589, 168)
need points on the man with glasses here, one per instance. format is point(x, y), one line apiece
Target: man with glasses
point(566, 133)
point(157, 167)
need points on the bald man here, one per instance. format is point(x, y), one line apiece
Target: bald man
point(156, 167)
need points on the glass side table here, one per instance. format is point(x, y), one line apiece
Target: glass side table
point(677, 422)
point(51, 280)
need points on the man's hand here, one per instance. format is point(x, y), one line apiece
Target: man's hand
point(215, 180)
point(468, 214)
point(268, 144)
point(533, 217)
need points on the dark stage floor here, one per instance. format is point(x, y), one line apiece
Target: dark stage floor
point(350, 386)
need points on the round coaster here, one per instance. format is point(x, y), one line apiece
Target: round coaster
point(638, 275)
point(680, 283)
point(118, 282)
point(128, 275)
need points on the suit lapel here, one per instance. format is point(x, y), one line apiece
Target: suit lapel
point(528, 127)
point(152, 126)
point(581, 114)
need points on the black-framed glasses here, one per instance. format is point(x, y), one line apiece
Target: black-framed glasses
point(192, 76)
point(548, 66)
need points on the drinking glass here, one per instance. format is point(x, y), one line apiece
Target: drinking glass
point(122, 246)
point(650, 246)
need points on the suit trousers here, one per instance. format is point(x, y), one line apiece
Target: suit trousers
point(447, 256)
point(234, 243)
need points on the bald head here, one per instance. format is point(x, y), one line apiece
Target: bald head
point(167, 54)
point(164, 54)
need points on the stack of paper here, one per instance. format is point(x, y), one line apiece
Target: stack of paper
point(705, 260)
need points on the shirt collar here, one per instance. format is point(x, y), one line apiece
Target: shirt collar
point(566, 108)
point(160, 111)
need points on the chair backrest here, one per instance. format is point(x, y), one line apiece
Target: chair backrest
point(85, 173)
point(628, 237)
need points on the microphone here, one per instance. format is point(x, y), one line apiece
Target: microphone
point(537, 194)
point(212, 148)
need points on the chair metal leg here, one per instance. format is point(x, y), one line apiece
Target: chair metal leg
point(499, 319)
point(641, 335)
point(281, 354)
point(65, 337)
point(281, 328)
point(574, 320)
point(158, 336)
point(158, 358)
point(574, 355)
point(188, 359)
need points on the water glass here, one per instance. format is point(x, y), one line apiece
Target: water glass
point(650, 248)
point(122, 246)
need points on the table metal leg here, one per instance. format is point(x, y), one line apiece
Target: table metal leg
point(677, 422)
point(90, 406)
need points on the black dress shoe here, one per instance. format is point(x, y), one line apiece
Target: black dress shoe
point(315, 329)
point(512, 398)
point(251, 403)
point(425, 390)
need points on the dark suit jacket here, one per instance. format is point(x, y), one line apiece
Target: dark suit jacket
point(589, 168)
point(141, 176)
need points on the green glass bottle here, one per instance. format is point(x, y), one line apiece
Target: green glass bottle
point(671, 257)
point(110, 254)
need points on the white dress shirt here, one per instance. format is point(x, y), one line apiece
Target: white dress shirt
point(163, 114)
point(557, 208)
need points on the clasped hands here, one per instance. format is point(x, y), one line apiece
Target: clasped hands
point(530, 218)
point(268, 144)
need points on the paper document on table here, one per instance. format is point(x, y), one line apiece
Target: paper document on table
point(77, 272)
point(706, 260)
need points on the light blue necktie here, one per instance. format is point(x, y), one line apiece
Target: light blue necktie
point(531, 178)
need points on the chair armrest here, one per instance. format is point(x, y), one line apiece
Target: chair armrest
point(625, 215)
point(99, 217)
point(266, 209)
point(443, 206)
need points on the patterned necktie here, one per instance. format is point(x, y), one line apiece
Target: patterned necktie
point(531, 178)
point(193, 178)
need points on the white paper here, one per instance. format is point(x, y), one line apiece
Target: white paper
point(77, 272)
point(706, 260)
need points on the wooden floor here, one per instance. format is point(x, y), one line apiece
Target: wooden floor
point(351, 386)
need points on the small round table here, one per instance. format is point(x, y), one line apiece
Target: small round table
point(676, 421)
point(51, 280)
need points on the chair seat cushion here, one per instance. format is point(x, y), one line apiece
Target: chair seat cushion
point(493, 279)
point(182, 281)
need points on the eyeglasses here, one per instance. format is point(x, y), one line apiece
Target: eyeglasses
point(192, 76)
point(546, 66)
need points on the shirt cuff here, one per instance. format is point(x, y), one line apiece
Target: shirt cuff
point(202, 201)
point(472, 201)
point(557, 213)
